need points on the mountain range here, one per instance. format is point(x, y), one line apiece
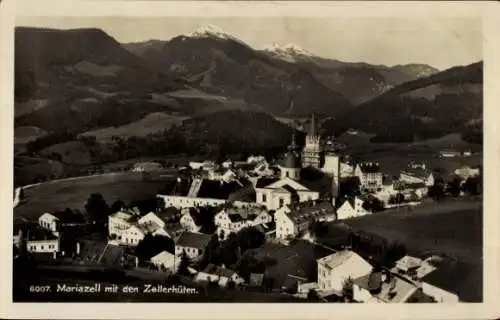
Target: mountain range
point(83, 80)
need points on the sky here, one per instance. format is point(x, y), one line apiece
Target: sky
point(439, 42)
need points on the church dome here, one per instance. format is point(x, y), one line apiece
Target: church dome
point(291, 160)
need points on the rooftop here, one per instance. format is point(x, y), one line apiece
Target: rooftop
point(395, 290)
point(264, 182)
point(39, 234)
point(217, 270)
point(338, 258)
point(217, 190)
point(193, 240)
point(310, 209)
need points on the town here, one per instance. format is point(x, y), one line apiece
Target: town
point(260, 230)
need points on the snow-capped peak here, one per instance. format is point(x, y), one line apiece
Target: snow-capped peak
point(210, 30)
point(290, 48)
point(288, 52)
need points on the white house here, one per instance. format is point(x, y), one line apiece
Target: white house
point(466, 172)
point(192, 244)
point(274, 194)
point(54, 221)
point(335, 269)
point(417, 175)
point(41, 241)
point(119, 222)
point(294, 220)
point(48, 221)
point(221, 275)
point(370, 176)
point(166, 260)
point(204, 192)
point(189, 220)
point(132, 236)
point(232, 220)
point(352, 207)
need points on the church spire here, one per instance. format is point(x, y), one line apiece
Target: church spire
point(313, 130)
point(293, 146)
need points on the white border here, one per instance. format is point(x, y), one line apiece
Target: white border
point(491, 31)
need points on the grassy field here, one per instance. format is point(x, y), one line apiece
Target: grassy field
point(152, 123)
point(59, 195)
point(453, 227)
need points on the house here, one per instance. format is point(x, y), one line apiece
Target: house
point(276, 193)
point(147, 167)
point(417, 175)
point(134, 234)
point(294, 220)
point(420, 189)
point(221, 275)
point(336, 268)
point(382, 287)
point(190, 220)
point(57, 220)
point(466, 172)
point(40, 240)
point(119, 222)
point(192, 244)
point(449, 153)
point(48, 221)
point(352, 207)
point(232, 220)
point(166, 261)
point(200, 192)
point(370, 176)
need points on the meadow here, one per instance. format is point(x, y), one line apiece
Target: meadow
point(58, 195)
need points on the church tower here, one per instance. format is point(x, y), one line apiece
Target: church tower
point(290, 166)
point(311, 154)
point(332, 168)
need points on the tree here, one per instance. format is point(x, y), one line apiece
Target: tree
point(97, 208)
point(373, 205)
point(436, 191)
point(349, 187)
point(472, 185)
point(312, 295)
point(454, 187)
point(117, 206)
point(152, 245)
point(183, 265)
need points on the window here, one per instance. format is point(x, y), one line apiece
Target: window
point(41, 247)
point(264, 198)
point(287, 174)
point(281, 202)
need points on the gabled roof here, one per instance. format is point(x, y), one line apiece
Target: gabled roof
point(395, 290)
point(219, 271)
point(39, 234)
point(163, 256)
point(338, 258)
point(370, 167)
point(417, 172)
point(264, 182)
point(193, 240)
point(217, 190)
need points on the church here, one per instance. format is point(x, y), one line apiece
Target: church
point(310, 174)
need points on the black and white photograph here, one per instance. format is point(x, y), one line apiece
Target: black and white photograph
point(261, 159)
